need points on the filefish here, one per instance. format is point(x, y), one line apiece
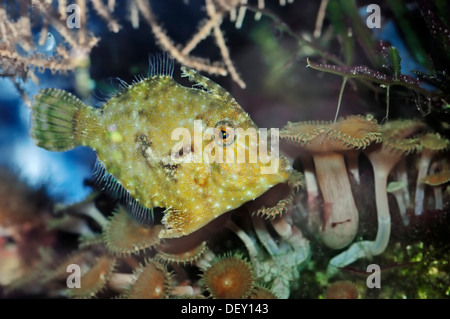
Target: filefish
point(141, 160)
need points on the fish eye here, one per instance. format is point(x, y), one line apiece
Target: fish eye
point(224, 134)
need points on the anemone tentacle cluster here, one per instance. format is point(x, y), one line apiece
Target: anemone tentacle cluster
point(386, 148)
point(229, 277)
point(128, 260)
point(327, 142)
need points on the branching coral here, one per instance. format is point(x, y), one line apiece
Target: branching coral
point(73, 51)
point(216, 11)
point(20, 56)
point(384, 62)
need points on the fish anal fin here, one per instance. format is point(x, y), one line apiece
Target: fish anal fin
point(112, 187)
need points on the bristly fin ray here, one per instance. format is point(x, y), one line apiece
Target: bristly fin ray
point(160, 65)
point(108, 89)
point(109, 184)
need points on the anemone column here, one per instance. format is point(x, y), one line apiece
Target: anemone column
point(431, 143)
point(327, 142)
point(383, 158)
point(437, 181)
point(340, 215)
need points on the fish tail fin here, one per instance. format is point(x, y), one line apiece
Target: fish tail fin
point(59, 120)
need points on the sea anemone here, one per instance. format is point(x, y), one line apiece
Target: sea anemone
point(396, 188)
point(342, 290)
point(277, 210)
point(327, 142)
point(51, 271)
point(312, 189)
point(279, 198)
point(153, 281)
point(229, 277)
point(383, 157)
point(125, 236)
point(262, 293)
point(431, 144)
point(406, 128)
point(437, 181)
point(94, 280)
point(185, 257)
point(58, 270)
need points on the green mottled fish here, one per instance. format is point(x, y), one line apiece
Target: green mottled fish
point(136, 135)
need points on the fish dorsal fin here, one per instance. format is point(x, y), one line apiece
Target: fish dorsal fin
point(111, 186)
point(107, 89)
point(160, 65)
point(208, 85)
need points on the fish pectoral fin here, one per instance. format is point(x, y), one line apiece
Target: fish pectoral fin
point(179, 223)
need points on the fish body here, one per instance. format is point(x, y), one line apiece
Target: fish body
point(135, 136)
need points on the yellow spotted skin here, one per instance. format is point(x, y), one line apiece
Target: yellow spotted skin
point(132, 135)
